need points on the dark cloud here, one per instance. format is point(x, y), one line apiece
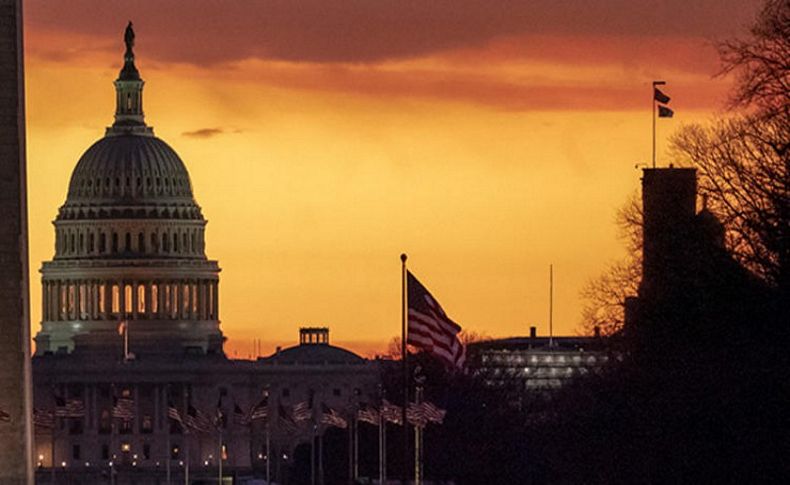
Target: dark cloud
point(203, 133)
point(212, 31)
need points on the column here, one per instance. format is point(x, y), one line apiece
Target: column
point(135, 299)
point(149, 304)
point(107, 299)
point(202, 299)
point(215, 286)
point(160, 294)
point(121, 297)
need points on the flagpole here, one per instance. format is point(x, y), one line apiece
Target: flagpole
point(219, 454)
point(268, 452)
point(382, 440)
point(653, 93)
point(167, 430)
point(54, 427)
point(186, 437)
point(404, 358)
point(551, 305)
point(312, 456)
point(417, 440)
point(321, 458)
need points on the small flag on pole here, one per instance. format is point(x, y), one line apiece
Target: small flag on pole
point(369, 415)
point(659, 96)
point(391, 412)
point(172, 413)
point(285, 419)
point(304, 410)
point(261, 410)
point(664, 112)
point(433, 413)
point(330, 417)
point(43, 418)
point(123, 408)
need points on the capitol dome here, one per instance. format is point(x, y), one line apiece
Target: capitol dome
point(130, 245)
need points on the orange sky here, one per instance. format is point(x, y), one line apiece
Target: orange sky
point(485, 139)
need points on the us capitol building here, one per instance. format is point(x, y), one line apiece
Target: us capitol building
point(130, 247)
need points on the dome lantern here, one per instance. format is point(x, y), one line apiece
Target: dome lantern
point(129, 116)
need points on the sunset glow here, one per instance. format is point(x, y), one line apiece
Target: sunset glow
point(321, 146)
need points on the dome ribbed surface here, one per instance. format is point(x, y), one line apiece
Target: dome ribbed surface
point(129, 169)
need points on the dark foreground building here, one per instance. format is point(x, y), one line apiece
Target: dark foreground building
point(131, 329)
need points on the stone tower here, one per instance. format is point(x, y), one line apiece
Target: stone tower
point(16, 465)
point(130, 246)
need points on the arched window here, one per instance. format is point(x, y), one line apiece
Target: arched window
point(153, 242)
point(128, 246)
point(102, 243)
point(71, 243)
point(175, 242)
point(114, 242)
point(82, 242)
point(91, 243)
point(193, 240)
point(141, 243)
point(185, 243)
point(164, 243)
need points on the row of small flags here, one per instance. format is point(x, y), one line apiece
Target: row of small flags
point(302, 412)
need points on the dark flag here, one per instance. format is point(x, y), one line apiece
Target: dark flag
point(123, 408)
point(416, 415)
point(43, 418)
point(659, 96)
point(261, 410)
point(196, 420)
point(369, 415)
point(391, 412)
point(433, 413)
point(330, 417)
point(664, 112)
point(240, 417)
point(304, 410)
point(430, 329)
point(72, 408)
point(219, 415)
point(172, 413)
point(285, 419)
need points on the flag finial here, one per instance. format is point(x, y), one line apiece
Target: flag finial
point(403, 257)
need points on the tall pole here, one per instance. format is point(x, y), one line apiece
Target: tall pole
point(404, 359)
point(356, 449)
point(54, 427)
point(167, 433)
point(653, 97)
point(268, 455)
point(186, 437)
point(418, 440)
point(551, 305)
point(382, 441)
point(312, 456)
point(219, 454)
point(321, 458)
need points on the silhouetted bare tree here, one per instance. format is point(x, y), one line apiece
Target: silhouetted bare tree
point(605, 294)
point(743, 160)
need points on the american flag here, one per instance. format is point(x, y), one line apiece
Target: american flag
point(261, 410)
point(433, 413)
point(330, 417)
point(219, 415)
point(196, 420)
point(240, 418)
point(304, 410)
point(416, 415)
point(285, 419)
point(123, 408)
point(172, 413)
point(43, 418)
point(391, 412)
point(430, 329)
point(71, 408)
point(4, 416)
point(368, 414)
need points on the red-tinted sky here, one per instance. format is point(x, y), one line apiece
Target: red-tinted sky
point(487, 139)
